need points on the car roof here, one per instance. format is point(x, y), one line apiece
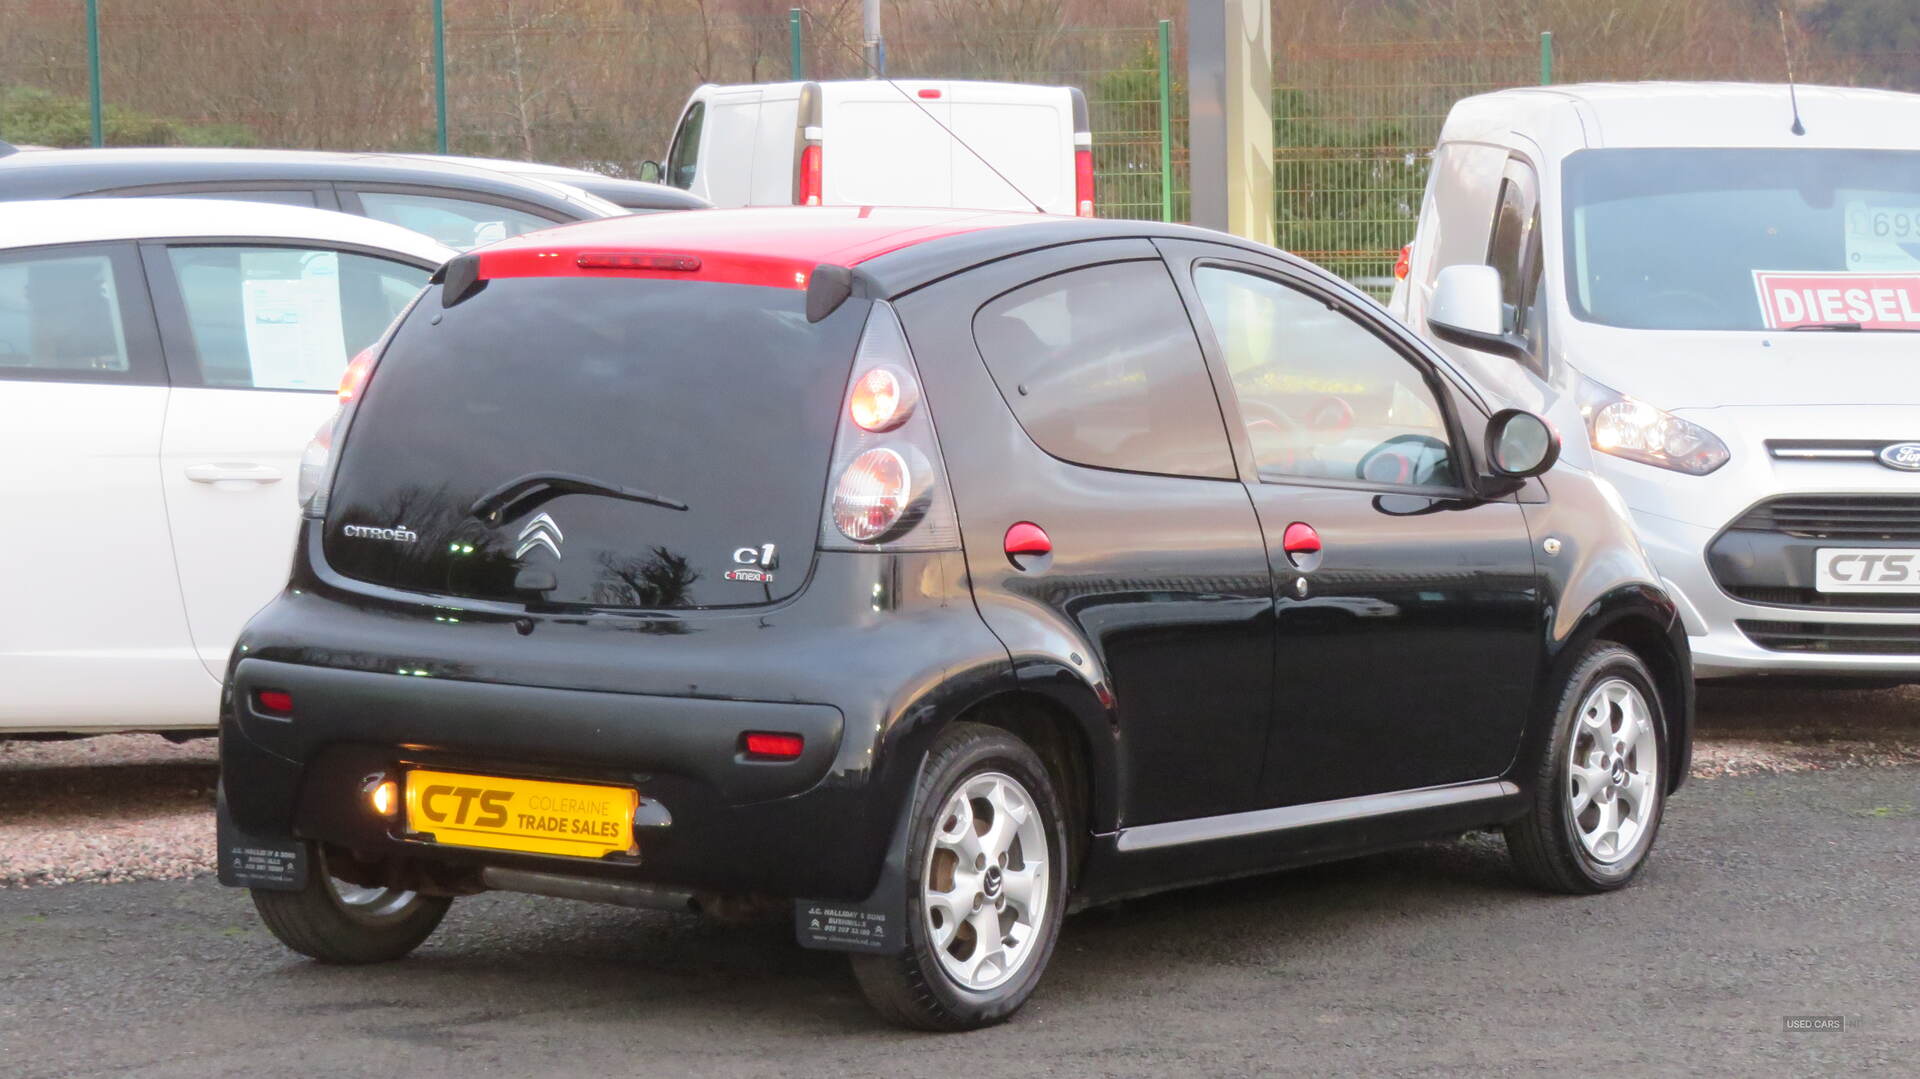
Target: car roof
point(777, 246)
point(898, 248)
point(65, 173)
point(623, 192)
point(1678, 114)
point(36, 224)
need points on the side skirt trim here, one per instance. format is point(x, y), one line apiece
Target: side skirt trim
point(1286, 818)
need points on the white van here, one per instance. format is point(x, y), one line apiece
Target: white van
point(878, 143)
point(1725, 299)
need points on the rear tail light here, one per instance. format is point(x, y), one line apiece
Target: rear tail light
point(1082, 182)
point(1403, 265)
point(888, 486)
point(882, 399)
point(355, 376)
point(314, 462)
point(871, 495)
point(808, 183)
point(779, 747)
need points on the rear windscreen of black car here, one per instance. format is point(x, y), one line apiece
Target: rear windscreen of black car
point(722, 398)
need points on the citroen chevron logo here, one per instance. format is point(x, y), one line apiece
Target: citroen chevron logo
point(540, 532)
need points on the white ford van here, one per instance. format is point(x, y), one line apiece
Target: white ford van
point(877, 143)
point(1723, 300)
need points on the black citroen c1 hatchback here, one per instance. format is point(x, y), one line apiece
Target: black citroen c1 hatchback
point(935, 573)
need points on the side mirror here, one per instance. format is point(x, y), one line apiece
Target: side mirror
point(650, 171)
point(1467, 310)
point(1520, 444)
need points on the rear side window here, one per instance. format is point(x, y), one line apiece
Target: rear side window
point(277, 318)
point(60, 317)
point(719, 398)
point(459, 223)
point(1101, 367)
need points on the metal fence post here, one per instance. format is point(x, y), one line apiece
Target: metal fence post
point(440, 71)
point(93, 71)
point(1166, 119)
point(1546, 57)
point(796, 53)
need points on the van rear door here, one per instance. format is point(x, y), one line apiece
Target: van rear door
point(1026, 132)
point(880, 149)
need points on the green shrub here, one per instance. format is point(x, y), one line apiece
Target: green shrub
point(32, 116)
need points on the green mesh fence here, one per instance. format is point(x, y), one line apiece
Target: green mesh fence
point(599, 83)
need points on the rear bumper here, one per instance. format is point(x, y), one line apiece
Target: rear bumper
point(736, 825)
point(863, 665)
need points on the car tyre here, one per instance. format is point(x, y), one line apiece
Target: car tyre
point(984, 795)
point(336, 922)
point(1599, 789)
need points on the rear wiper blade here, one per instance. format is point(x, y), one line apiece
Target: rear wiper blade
point(525, 492)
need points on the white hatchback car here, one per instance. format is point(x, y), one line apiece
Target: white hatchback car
point(163, 363)
point(1724, 297)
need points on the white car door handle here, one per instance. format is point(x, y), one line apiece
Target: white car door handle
point(218, 473)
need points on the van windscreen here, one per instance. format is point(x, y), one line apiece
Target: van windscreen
point(1743, 239)
point(595, 442)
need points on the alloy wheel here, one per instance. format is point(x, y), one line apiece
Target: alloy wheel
point(984, 885)
point(1613, 771)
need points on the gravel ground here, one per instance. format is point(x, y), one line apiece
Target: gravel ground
point(113, 808)
point(137, 807)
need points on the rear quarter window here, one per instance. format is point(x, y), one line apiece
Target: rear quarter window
point(1101, 367)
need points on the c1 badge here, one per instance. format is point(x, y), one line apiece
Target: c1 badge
point(754, 564)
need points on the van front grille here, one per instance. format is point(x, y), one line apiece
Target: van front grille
point(1831, 601)
point(1848, 638)
point(1849, 517)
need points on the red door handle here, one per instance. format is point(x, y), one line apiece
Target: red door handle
point(1028, 538)
point(1300, 538)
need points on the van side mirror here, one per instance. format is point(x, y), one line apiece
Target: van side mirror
point(650, 171)
point(1520, 444)
point(1468, 310)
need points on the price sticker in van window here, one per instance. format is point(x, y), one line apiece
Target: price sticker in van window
point(1882, 238)
point(1877, 301)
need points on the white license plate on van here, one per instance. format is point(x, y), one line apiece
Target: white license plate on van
point(1867, 569)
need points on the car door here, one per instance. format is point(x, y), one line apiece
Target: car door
point(1070, 393)
point(1406, 609)
point(95, 636)
point(257, 335)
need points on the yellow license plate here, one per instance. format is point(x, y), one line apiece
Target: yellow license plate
point(529, 815)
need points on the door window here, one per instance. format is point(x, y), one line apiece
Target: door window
point(683, 156)
point(1101, 367)
point(1323, 397)
point(278, 318)
point(1514, 250)
point(461, 224)
point(60, 317)
point(290, 196)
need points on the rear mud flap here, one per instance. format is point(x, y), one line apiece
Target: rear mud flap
point(276, 863)
point(875, 925)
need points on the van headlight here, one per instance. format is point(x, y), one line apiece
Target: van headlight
point(1621, 426)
